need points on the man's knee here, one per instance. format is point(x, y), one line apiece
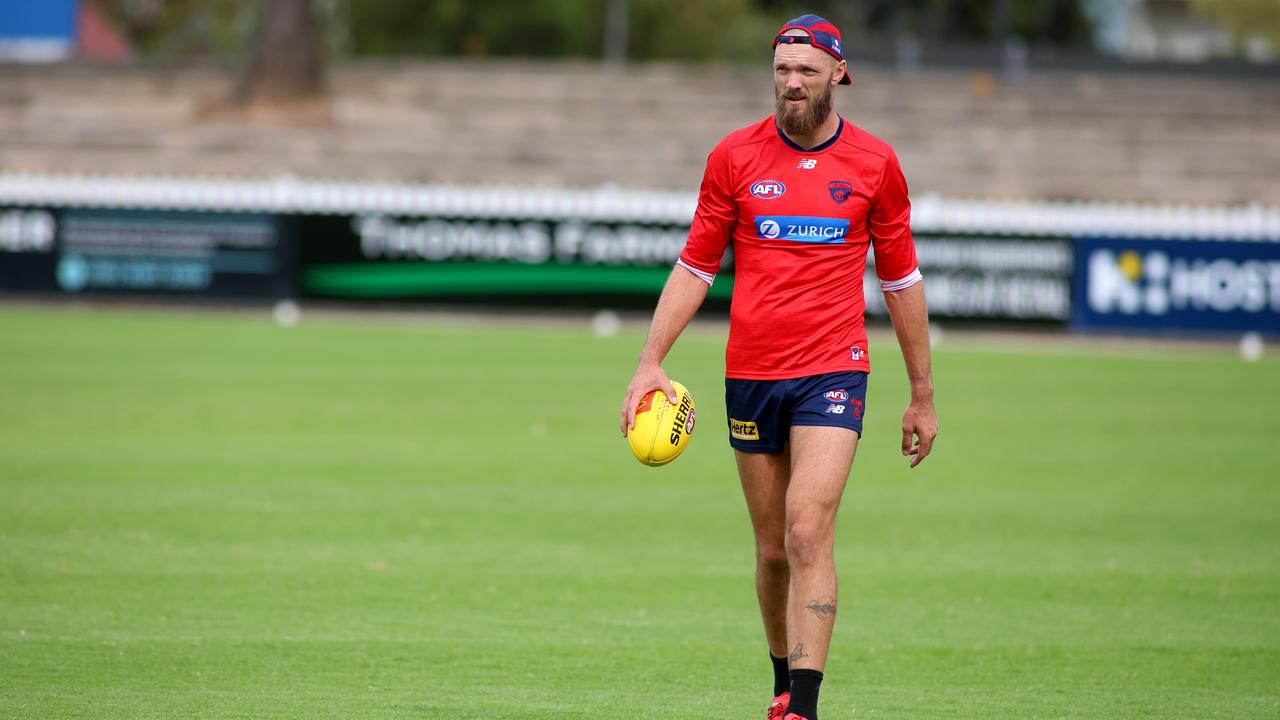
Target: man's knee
point(771, 556)
point(807, 542)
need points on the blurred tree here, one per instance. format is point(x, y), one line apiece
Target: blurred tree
point(283, 41)
point(1058, 22)
point(183, 28)
point(675, 29)
point(551, 28)
point(1245, 18)
point(287, 59)
point(461, 27)
point(707, 30)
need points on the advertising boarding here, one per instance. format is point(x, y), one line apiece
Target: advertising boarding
point(1177, 285)
point(76, 251)
point(404, 258)
point(1049, 265)
point(450, 258)
point(982, 277)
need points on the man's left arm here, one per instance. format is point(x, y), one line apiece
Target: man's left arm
point(910, 319)
point(889, 224)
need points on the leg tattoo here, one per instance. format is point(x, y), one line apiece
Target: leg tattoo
point(797, 653)
point(825, 608)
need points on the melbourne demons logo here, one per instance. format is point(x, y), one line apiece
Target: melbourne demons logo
point(768, 189)
point(840, 190)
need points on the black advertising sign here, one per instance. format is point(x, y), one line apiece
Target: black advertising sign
point(73, 251)
point(403, 258)
point(394, 257)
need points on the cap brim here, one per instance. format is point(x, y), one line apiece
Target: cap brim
point(846, 80)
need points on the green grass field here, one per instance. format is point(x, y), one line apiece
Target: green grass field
point(203, 515)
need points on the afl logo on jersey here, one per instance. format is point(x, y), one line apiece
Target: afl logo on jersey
point(768, 189)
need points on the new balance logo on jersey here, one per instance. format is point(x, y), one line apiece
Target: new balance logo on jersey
point(807, 164)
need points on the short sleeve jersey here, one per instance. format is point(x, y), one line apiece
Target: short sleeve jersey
point(801, 222)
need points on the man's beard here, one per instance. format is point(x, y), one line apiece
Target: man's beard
point(802, 119)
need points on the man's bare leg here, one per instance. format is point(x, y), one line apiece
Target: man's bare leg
point(764, 484)
point(820, 462)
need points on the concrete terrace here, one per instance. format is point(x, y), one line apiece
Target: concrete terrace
point(1100, 136)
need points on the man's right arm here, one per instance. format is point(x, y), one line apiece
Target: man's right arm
point(680, 299)
point(687, 286)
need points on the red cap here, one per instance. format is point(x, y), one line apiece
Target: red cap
point(819, 33)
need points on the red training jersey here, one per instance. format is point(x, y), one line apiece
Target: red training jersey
point(800, 222)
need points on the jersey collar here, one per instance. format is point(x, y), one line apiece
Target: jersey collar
point(818, 148)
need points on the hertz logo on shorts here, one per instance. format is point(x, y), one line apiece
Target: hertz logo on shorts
point(743, 430)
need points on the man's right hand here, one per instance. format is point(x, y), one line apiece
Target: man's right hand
point(649, 376)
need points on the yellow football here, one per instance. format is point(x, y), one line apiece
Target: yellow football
point(662, 429)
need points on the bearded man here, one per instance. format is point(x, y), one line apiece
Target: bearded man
point(802, 195)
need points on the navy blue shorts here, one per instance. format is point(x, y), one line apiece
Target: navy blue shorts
point(762, 412)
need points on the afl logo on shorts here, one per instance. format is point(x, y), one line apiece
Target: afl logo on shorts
point(768, 189)
point(836, 395)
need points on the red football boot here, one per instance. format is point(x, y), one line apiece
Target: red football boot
point(779, 707)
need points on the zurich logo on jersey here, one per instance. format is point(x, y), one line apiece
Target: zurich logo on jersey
point(768, 189)
point(802, 228)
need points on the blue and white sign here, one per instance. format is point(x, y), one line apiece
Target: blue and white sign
point(38, 30)
point(802, 228)
point(1128, 283)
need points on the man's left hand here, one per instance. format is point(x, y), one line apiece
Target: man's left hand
point(919, 423)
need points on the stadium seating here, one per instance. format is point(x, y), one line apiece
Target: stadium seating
point(1053, 134)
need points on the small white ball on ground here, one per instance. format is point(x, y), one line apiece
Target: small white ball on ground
point(935, 334)
point(286, 313)
point(1251, 347)
point(606, 323)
